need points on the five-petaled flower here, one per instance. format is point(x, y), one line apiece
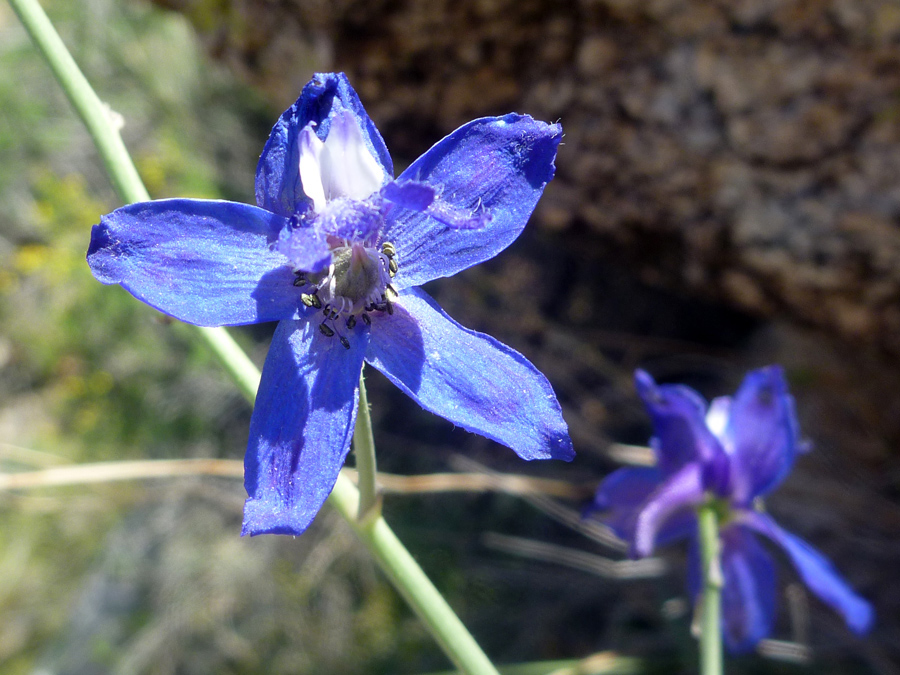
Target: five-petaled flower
point(732, 453)
point(336, 251)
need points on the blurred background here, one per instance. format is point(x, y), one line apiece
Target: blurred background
point(727, 196)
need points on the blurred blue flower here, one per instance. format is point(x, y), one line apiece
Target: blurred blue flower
point(733, 453)
point(336, 251)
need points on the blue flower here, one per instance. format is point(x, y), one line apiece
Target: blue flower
point(335, 252)
point(733, 452)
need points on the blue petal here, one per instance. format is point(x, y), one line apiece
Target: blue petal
point(409, 194)
point(205, 262)
point(301, 426)
point(680, 428)
point(493, 168)
point(353, 220)
point(626, 488)
point(422, 198)
point(621, 496)
point(678, 493)
point(818, 573)
point(761, 434)
point(278, 185)
point(306, 248)
point(468, 378)
point(749, 590)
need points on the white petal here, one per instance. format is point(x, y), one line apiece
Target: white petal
point(347, 167)
point(717, 419)
point(311, 167)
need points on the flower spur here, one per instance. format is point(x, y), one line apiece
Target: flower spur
point(733, 453)
point(335, 251)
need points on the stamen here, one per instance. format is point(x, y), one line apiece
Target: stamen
point(356, 282)
point(311, 300)
point(345, 342)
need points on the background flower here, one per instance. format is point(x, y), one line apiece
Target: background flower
point(732, 452)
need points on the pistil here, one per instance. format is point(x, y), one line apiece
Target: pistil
point(356, 283)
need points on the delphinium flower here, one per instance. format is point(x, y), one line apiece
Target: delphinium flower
point(336, 251)
point(731, 454)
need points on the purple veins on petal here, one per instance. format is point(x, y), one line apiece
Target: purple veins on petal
point(468, 378)
point(205, 262)
point(493, 167)
point(301, 426)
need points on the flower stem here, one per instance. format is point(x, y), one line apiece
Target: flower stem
point(412, 583)
point(97, 117)
point(364, 449)
point(711, 607)
point(395, 560)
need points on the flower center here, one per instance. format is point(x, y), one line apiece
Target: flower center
point(356, 283)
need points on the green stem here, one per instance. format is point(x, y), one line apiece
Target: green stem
point(412, 583)
point(97, 116)
point(711, 604)
point(98, 119)
point(364, 449)
point(395, 560)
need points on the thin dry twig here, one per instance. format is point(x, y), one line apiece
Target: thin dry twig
point(106, 472)
point(579, 560)
point(571, 518)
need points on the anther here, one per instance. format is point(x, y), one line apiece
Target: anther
point(388, 249)
point(311, 300)
point(345, 342)
point(392, 267)
point(351, 322)
point(326, 330)
point(366, 319)
point(391, 291)
point(300, 280)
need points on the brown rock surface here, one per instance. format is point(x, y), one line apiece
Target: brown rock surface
point(746, 151)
